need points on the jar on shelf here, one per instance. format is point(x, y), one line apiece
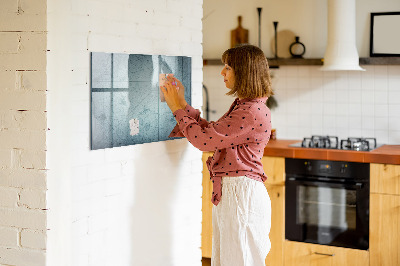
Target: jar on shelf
point(297, 49)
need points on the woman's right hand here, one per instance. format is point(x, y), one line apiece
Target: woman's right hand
point(181, 91)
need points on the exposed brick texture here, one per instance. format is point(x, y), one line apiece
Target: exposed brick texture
point(23, 128)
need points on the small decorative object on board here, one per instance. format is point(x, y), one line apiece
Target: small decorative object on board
point(297, 49)
point(276, 38)
point(259, 26)
point(239, 35)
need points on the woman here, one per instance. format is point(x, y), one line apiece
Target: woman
point(242, 208)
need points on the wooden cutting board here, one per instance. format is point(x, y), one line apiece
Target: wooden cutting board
point(239, 35)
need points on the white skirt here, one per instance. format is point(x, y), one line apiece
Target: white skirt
point(241, 223)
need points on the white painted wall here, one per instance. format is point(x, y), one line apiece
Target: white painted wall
point(306, 19)
point(135, 205)
point(23, 133)
point(311, 102)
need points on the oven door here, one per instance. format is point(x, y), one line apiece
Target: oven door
point(327, 213)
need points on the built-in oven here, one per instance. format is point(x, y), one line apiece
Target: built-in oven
point(327, 202)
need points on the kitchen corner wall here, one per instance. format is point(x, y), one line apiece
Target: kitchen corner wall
point(311, 102)
point(134, 205)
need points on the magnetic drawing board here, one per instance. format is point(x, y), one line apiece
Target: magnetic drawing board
point(125, 97)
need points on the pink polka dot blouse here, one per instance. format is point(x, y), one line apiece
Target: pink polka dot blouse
point(238, 139)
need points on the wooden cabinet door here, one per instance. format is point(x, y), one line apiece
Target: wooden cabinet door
point(274, 168)
point(304, 254)
point(384, 230)
point(206, 226)
point(277, 233)
point(385, 178)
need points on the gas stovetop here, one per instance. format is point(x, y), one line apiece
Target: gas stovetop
point(332, 142)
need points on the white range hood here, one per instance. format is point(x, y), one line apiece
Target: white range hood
point(341, 51)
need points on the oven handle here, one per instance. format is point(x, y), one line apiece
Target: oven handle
point(357, 185)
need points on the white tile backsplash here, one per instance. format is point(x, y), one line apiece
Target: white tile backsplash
point(292, 82)
point(329, 109)
point(346, 103)
point(394, 123)
point(394, 97)
point(381, 84)
point(367, 109)
point(381, 96)
point(367, 96)
point(381, 71)
point(381, 110)
point(394, 110)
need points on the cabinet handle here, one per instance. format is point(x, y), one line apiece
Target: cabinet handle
point(324, 254)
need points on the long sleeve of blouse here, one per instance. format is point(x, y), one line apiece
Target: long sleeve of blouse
point(238, 139)
point(225, 133)
point(193, 113)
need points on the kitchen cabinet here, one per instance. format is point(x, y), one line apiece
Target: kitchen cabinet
point(385, 230)
point(305, 254)
point(385, 178)
point(206, 225)
point(274, 168)
point(385, 215)
point(277, 233)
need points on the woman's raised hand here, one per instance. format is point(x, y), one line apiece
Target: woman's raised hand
point(174, 94)
point(181, 90)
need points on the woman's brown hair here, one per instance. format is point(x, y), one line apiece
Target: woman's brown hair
point(250, 66)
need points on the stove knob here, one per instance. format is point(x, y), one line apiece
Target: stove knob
point(308, 166)
point(343, 168)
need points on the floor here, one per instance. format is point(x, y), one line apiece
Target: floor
point(206, 261)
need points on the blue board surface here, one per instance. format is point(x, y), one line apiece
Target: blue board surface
point(125, 98)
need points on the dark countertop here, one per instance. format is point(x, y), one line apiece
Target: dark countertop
point(389, 154)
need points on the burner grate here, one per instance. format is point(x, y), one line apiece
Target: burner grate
point(358, 144)
point(332, 142)
point(327, 142)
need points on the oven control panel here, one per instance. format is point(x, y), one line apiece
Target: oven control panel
point(337, 169)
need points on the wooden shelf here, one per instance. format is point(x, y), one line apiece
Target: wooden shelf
point(380, 61)
point(274, 63)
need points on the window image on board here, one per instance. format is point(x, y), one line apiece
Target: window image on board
point(125, 98)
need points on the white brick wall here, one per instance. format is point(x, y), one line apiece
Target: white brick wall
point(8, 197)
point(11, 256)
point(9, 237)
point(23, 132)
point(107, 207)
point(33, 239)
point(135, 205)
